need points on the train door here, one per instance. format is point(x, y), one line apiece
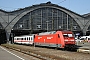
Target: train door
point(27, 42)
point(31, 40)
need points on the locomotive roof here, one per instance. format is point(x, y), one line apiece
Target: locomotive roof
point(45, 33)
point(53, 32)
point(67, 31)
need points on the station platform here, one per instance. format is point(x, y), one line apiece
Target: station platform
point(83, 47)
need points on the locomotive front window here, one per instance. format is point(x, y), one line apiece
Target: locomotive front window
point(67, 35)
point(70, 35)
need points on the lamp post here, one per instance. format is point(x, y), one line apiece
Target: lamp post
point(47, 24)
point(12, 36)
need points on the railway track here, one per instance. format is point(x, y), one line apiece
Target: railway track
point(40, 56)
point(48, 54)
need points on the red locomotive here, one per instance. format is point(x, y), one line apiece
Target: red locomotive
point(58, 39)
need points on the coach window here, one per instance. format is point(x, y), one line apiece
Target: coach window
point(25, 38)
point(29, 38)
point(88, 38)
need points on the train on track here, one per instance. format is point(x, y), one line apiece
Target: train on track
point(57, 39)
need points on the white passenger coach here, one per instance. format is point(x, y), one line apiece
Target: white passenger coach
point(25, 39)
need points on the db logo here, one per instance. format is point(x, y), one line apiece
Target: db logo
point(39, 37)
point(49, 37)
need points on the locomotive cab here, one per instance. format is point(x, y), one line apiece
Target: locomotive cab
point(69, 40)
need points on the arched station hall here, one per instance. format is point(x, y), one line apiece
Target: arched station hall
point(39, 18)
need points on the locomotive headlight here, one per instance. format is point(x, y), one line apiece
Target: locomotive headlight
point(66, 40)
point(72, 40)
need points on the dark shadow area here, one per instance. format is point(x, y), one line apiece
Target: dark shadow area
point(3, 38)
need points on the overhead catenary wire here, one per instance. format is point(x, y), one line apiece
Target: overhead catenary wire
point(34, 2)
point(61, 1)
